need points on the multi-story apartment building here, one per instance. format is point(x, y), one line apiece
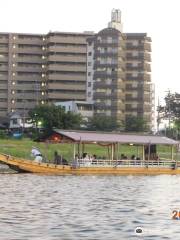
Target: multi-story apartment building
point(118, 72)
point(110, 68)
point(22, 60)
point(36, 68)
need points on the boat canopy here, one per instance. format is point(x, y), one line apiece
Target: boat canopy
point(100, 137)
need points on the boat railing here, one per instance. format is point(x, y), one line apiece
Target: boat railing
point(128, 163)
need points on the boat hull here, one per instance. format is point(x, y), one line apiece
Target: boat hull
point(28, 166)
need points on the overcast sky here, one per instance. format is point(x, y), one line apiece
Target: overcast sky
point(160, 19)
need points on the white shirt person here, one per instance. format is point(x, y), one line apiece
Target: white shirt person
point(36, 154)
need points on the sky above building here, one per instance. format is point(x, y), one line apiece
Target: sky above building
point(160, 19)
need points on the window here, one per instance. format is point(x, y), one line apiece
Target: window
point(89, 64)
point(14, 121)
point(89, 84)
point(89, 73)
point(89, 53)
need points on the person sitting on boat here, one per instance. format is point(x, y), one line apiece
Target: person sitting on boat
point(94, 159)
point(86, 159)
point(64, 161)
point(36, 154)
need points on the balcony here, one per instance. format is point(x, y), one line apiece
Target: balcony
point(66, 68)
point(107, 44)
point(139, 57)
point(3, 105)
point(68, 39)
point(67, 49)
point(100, 95)
point(4, 40)
point(65, 58)
point(70, 77)
point(28, 50)
point(3, 86)
point(105, 74)
point(61, 86)
point(29, 60)
point(3, 68)
point(28, 69)
point(106, 54)
point(4, 49)
point(118, 53)
point(66, 96)
point(145, 67)
point(4, 59)
point(28, 41)
point(147, 46)
point(3, 95)
point(28, 77)
point(147, 87)
point(27, 105)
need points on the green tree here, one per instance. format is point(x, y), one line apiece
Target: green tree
point(171, 111)
point(102, 123)
point(52, 116)
point(135, 124)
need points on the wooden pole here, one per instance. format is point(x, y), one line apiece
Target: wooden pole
point(112, 153)
point(172, 152)
point(149, 151)
point(143, 152)
point(74, 152)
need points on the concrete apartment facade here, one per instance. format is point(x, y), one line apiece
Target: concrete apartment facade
point(36, 68)
point(21, 70)
point(119, 73)
point(66, 66)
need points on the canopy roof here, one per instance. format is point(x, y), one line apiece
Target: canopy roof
point(93, 137)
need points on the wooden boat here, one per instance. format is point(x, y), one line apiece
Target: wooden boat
point(104, 167)
point(113, 166)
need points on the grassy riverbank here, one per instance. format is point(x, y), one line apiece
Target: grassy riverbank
point(22, 148)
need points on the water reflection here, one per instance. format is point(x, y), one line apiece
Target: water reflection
point(88, 207)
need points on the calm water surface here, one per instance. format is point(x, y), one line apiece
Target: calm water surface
point(88, 207)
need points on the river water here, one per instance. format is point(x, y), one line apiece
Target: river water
point(35, 207)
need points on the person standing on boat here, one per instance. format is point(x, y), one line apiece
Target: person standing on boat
point(36, 154)
point(57, 158)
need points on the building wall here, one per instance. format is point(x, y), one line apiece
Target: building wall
point(109, 73)
point(138, 97)
point(36, 68)
point(121, 75)
point(66, 66)
point(21, 69)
